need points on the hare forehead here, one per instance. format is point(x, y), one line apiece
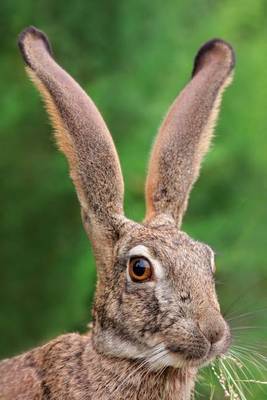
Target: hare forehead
point(167, 248)
point(196, 255)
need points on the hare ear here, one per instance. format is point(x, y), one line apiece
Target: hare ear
point(82, 136)
point(186, 132)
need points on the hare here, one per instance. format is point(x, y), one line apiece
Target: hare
point(156, 317)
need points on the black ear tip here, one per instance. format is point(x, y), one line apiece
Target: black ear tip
point(221, 50)
point(34, 33)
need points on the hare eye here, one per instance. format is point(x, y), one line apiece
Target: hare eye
point(140, 269)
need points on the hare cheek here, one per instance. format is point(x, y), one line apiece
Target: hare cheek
point(159, 271)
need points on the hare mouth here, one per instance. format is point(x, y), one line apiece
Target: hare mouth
point(216, 350)
point(179, 358)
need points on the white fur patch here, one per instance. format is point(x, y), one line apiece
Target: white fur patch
point(212, 262)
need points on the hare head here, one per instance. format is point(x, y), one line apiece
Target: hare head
point(155, 298)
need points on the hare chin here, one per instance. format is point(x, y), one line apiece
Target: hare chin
point(166, 358)
point(155, 358)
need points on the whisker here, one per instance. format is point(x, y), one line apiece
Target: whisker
point(246, 378)
point(151, 367)
point(240, 296)
point(246, 314)
point(156, 354)
point(251, 360)
point(237, 328)
point(248, 347)
point(241, 365)
point(248, 350)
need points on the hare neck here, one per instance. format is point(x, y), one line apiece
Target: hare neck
point(121, 379)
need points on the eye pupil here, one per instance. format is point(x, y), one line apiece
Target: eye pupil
point(140, 269)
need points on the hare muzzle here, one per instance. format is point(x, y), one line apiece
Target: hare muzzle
point(217, 332)
point(210, 337)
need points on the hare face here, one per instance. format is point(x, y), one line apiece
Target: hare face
point(172, 317)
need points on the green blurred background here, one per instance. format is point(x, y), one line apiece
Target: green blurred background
point(132, 57)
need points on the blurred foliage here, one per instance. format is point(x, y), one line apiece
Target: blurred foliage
point(132, 57)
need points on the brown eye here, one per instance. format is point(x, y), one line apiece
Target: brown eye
point(140, 269)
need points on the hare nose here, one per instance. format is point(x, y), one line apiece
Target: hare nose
point(214, 328)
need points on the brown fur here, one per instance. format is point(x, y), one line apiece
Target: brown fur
point(148, 339)
point(75, 352)
point(80, 132)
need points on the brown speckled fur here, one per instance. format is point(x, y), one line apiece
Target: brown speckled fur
point(148, 339)
point(59, 370)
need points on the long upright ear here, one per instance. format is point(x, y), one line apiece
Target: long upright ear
point(82, 136)
point(186, 132)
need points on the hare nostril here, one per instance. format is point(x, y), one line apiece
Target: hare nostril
point(214, 330)
point(216, 335)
